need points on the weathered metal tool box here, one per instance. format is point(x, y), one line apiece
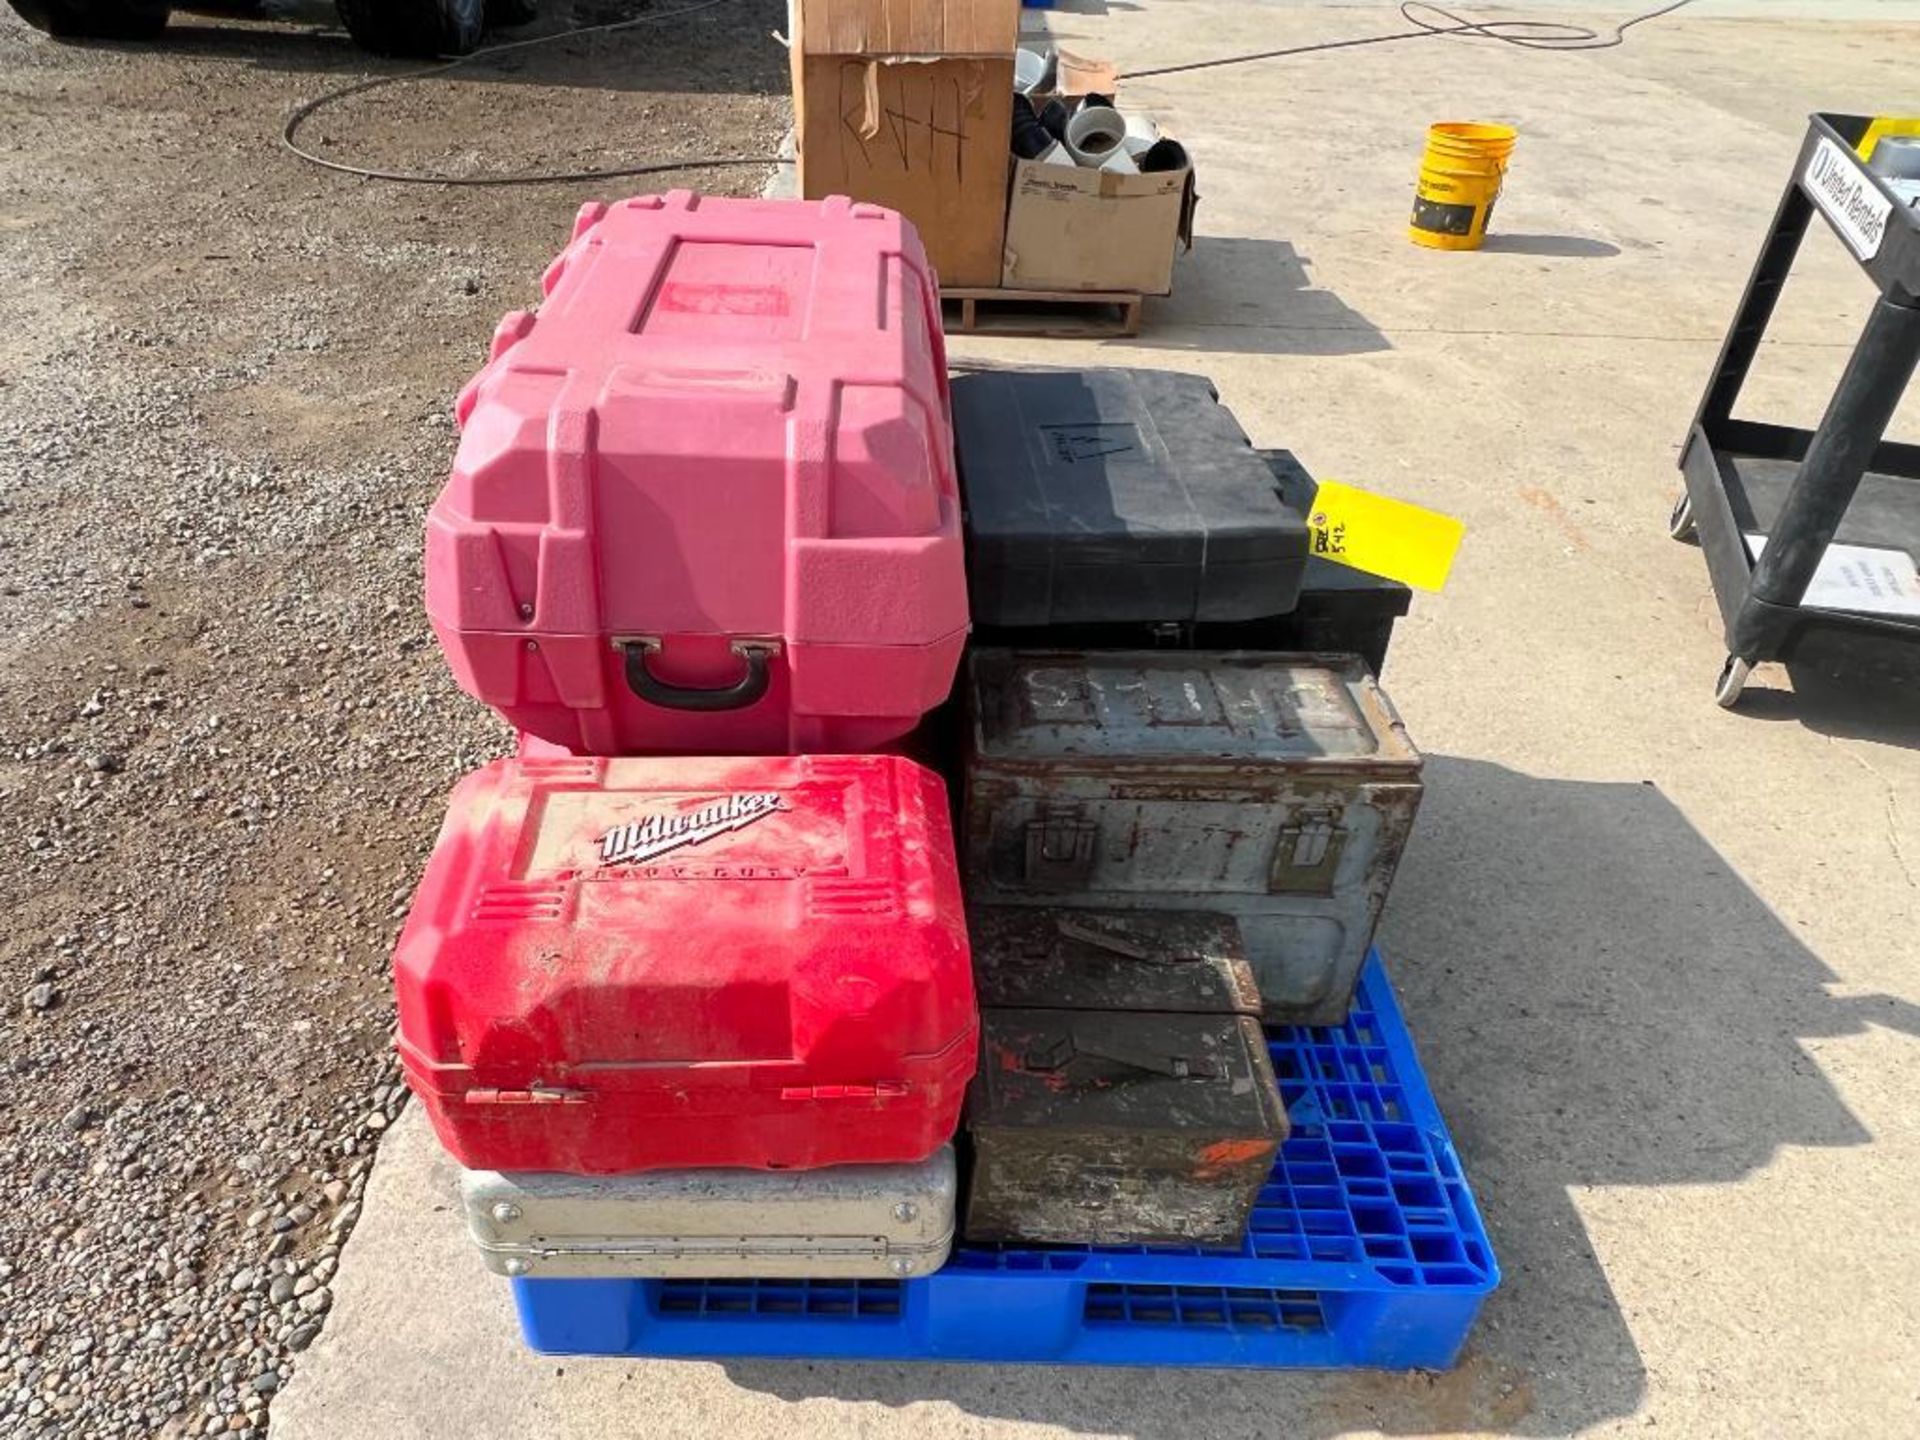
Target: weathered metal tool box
point(845, 1221)
point(1279, 789)
point(1124, 1095)
point(1115, 496)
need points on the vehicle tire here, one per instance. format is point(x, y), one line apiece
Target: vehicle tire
point(414, 27)
point(95, 19)
point(512, 12)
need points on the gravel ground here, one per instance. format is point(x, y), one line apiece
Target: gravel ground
point(225, 731)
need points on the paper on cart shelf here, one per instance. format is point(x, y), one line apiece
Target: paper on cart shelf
point(1862, 578)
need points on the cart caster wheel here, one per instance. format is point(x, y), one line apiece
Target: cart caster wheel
point(1733, 680)
point(1680, 524)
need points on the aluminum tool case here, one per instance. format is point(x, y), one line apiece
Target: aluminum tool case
point(1124, 1095)
point(848, 1221)
point(1279, 789)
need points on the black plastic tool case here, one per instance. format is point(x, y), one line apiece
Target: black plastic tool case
point(1339, 610)
point(1116, 496)
point(1125, 1094)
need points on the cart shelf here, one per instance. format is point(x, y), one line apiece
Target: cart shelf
point(1806, 489)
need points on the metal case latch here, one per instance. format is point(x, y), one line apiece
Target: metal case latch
point(1308, 855)
point(1060, 846)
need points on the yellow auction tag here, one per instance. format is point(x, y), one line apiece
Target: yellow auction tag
point(1383, 537)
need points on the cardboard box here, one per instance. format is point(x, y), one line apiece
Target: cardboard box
point(1072, 228)
point(1076, 75)
point(908, 104)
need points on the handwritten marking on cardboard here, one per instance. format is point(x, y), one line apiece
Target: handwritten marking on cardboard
point(923, 115)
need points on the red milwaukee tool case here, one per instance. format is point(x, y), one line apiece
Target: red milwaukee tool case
point(634, 964)
point(706, 502)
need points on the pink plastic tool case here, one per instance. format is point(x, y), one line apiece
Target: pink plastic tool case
point(705, 501)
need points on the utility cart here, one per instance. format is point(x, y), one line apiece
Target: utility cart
point(1842, 485)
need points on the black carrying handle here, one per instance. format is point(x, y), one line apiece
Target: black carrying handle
point(752, 684)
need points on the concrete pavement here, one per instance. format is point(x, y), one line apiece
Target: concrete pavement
point(1660, 959)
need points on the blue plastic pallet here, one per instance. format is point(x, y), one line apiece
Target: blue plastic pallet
point(1366, 1250)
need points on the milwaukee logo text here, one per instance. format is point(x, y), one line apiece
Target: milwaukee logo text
point(638, 841)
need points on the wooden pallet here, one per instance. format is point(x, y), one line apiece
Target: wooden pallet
point(1049, 314)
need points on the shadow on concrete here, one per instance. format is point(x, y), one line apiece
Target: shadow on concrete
point(1564, 246)
point(1600, 1000)
point(726, 50)
point(1853, 705)
point(1092, 7)
point(1252, 296)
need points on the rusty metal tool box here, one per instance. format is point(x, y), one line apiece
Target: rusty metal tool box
point(1279, 789)
point(843, 1221)
point(1125, 1094)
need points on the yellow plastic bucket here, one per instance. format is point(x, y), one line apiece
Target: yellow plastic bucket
point(1460, 178)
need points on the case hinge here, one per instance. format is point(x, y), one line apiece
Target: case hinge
point(544, 1095)
point(1060, 846)
point(879, 1090)
point(1308, 856)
